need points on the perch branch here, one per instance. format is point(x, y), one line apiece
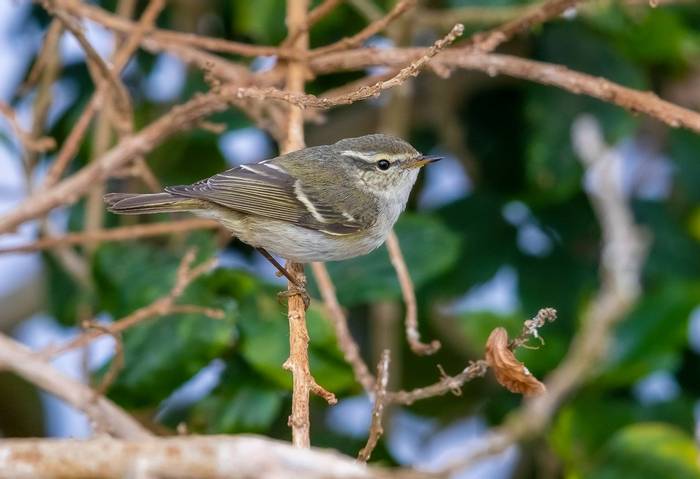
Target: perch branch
point(303, 382)
point(409, 298)
point(108, 416)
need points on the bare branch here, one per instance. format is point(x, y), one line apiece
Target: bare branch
point(559, 76)
point(167, 38)
point(447, 384)
point(203, 457)
point(376, 430)
point(311, 101)
point(537, 14)
point(20, 360)
point(38, 145)
point(372, 29)
point(72, 143)
point(346, 343)
point(409, 298)
point(162, 306)
point(320, 11)
point(68, 191)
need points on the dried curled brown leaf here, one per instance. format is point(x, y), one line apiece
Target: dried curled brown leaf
point(510, 373)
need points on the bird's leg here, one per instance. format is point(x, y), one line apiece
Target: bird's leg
point(298, 288)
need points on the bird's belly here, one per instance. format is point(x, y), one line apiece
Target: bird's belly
point(299, 244)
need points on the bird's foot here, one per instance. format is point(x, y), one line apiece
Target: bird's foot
point(295, 290)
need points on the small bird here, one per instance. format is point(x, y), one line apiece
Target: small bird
point(322, 203)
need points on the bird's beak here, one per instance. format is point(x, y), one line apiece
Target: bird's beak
point(422, 161)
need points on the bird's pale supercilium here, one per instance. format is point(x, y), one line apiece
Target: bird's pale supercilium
point(322, 203)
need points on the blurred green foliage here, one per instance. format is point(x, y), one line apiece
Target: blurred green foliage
point(519, 136)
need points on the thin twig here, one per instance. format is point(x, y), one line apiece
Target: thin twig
point(109, 82)
point(167, 38)
point(162, 306)
point(372, 29)
point(117, 363)
point(376, 430)
point(409, 298)
point(320, 11)
point(72, 143)
point(36, 145)
point(447, 384)
point(311, 101)
point(537, 14)
point(346, 343)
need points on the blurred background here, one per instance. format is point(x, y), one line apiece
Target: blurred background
point(497, 230)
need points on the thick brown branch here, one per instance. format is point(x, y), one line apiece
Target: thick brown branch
point(201, 457)
point(303, 382)
point(108, 416)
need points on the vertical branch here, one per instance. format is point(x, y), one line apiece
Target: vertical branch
point(298, 361)
point(409, 297)
point(376, 429)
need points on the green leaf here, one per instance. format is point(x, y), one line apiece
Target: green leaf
point(653, 335)
point(262, 20)
point(649, 450)
point(581, 442)
point(264, 345)
point(242, 402)
point(428, 247)
point(160, 353)
point(479, 224)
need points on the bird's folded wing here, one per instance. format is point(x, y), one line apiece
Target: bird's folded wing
point(265, 189)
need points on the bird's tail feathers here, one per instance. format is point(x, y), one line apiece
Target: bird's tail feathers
point(136, 204)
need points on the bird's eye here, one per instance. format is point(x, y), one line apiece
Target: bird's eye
point(383, 165)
